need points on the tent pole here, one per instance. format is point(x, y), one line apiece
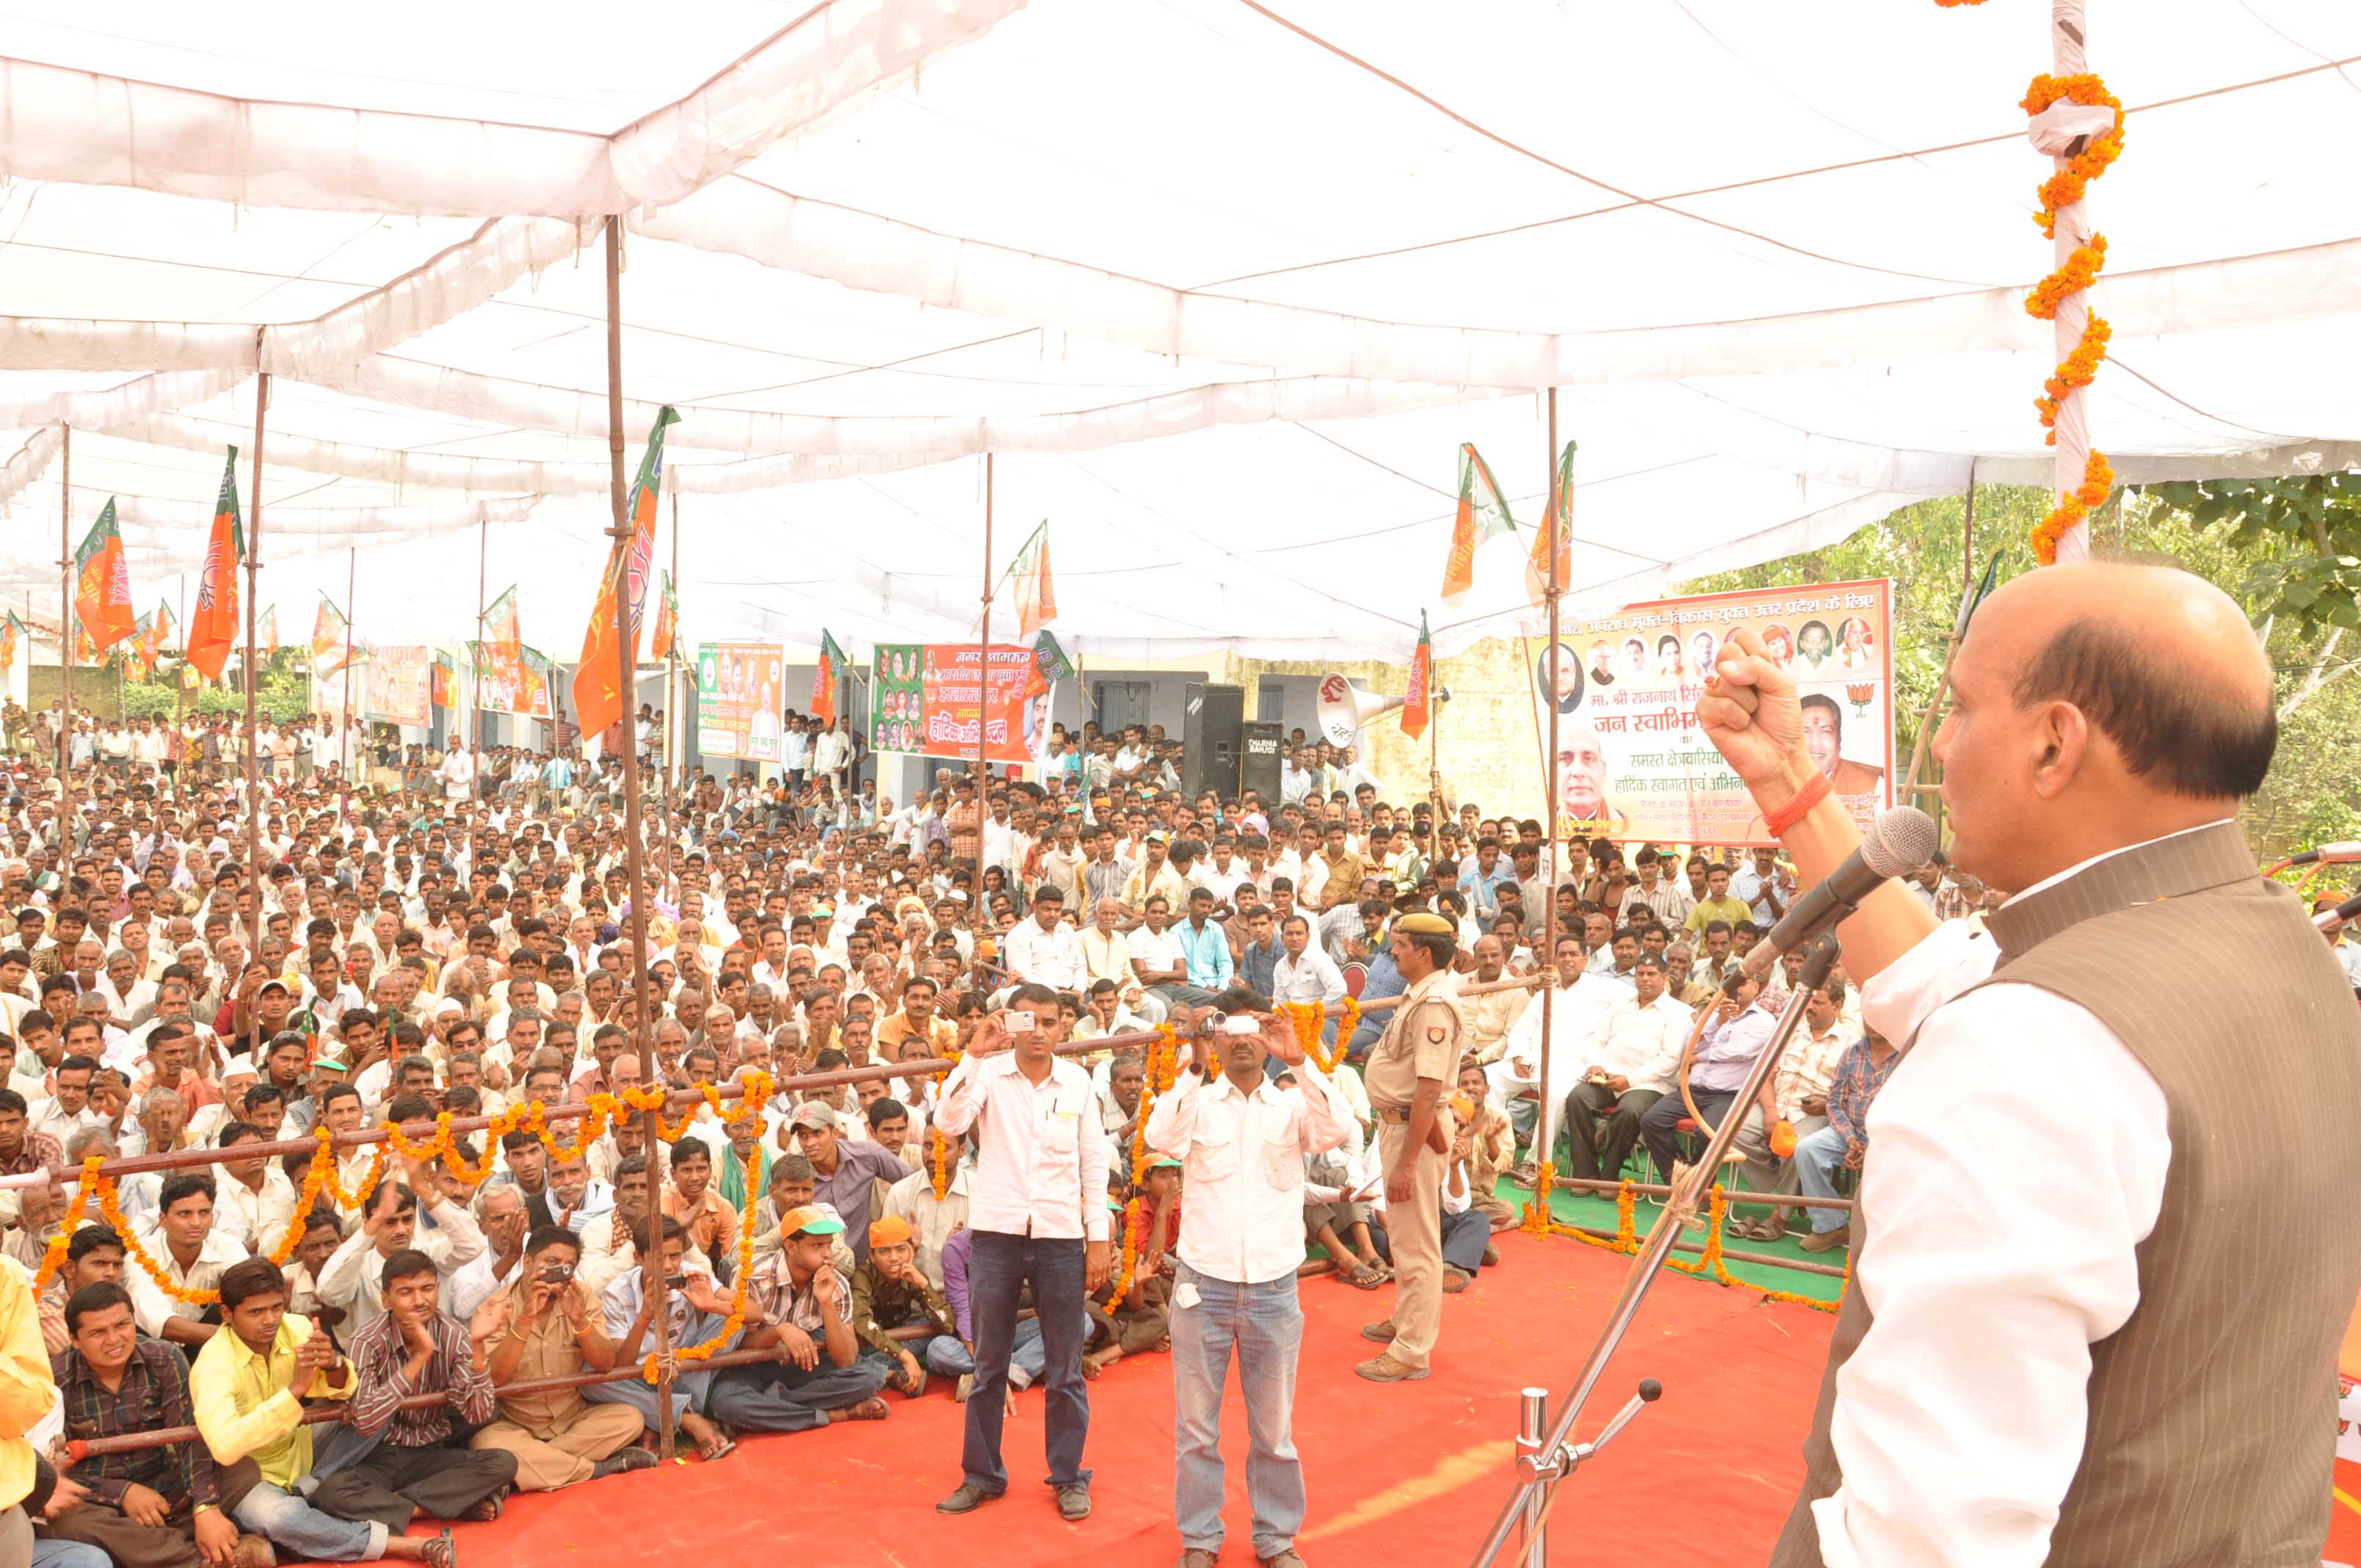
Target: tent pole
point(983, 684)
point(253, 587)
point(1545, 1156)
point(671, 692)
point(474, 662)
point(352, 608)
point(65, 639)
point(660, 1323)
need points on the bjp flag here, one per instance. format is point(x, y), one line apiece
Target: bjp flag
point(1417, 701)
point(1483, 516)
point(599, 699)
point(102, 584)
point(214, 628)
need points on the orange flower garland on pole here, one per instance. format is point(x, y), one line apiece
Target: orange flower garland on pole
point(2083, 145)
point(1163, 1068)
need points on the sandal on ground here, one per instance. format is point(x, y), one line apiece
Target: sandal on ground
point(1363, 1277)
point(721, 1446)
point(872, 1408)
point(483, 1510)
point(441, 1551)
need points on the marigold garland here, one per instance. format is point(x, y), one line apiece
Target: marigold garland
point(1537, 1212)
point(1162, 1070)
point(322, 1177)
point(705, 1349)
point(1708, 1263)
point(943, 1145)
point(2065, 187)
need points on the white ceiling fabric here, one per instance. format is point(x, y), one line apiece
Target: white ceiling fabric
point(1222, 284)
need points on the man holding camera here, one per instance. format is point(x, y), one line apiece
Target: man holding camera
point(1241, 1142)
point(1037, 1208)
point(545, 1323)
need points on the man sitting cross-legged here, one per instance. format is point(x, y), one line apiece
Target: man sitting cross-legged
point(147, 1508)
point(418, 1465)
point(248, 1386)
point(796, 1300)
point(546, 1323)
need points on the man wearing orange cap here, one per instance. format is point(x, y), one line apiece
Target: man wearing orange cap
point(804, 1308)
point(889, 1292)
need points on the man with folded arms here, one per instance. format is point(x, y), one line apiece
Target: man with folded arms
point(546, 1322)
point(415, 1347)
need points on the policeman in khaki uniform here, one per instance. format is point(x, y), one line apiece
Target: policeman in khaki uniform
point(1407, 1076)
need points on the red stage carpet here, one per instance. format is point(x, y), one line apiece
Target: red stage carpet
point(1411, 1474)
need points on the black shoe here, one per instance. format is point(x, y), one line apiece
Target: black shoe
point(966, 1499)
point(622, 1460)
point(1074, 1502)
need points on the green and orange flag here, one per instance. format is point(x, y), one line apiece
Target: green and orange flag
point(502, 629)
point(102, 584)
point(1483, 517)
point(1036, 596)
point(1418, 699)
point(329, 637)
point(165, 626)
point(660, 641)
point(1557, 525)
point(266, 630)
point(444, 689)
point(11, 634)
point(832, 664)
point(599, 700)
point(214, 628)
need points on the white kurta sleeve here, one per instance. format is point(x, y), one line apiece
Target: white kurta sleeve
point(2016, 1158)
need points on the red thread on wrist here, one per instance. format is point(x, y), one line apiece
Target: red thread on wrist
point(1815, 790)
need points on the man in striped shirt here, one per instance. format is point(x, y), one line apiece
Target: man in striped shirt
point(417, 1348)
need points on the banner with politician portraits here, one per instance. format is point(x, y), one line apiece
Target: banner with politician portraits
point(1632, 763)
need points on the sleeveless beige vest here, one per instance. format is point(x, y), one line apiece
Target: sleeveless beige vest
point(2211, 1420)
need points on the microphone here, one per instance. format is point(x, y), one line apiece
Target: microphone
point(2337, 919)
point(2327, 854)
point(1898, 842)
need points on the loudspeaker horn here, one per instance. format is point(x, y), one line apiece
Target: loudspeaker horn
point(1345, 708)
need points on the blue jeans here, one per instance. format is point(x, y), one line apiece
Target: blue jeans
point(998, 1269)
point(691, 1391)
point(48, 1553)
point(1819, 1156)
point(1265, 1323)
point(946, 1354)
point(298, 1530)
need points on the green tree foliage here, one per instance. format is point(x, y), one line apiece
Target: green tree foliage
point(2285, 549)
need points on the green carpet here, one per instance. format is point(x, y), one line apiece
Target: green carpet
point(1598, 1208)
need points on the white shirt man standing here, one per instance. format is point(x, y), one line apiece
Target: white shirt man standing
point(1037, 1208)
point(1240, 1141)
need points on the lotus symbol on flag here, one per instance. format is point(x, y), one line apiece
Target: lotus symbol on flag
point(1859, 692)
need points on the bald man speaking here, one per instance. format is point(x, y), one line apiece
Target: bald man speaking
point(2095, 1315)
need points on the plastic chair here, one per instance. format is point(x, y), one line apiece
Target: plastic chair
point(1355, 975)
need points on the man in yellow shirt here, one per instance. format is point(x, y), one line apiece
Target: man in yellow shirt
point(1718, 903)
point(24, 1394)
point(248, 1386)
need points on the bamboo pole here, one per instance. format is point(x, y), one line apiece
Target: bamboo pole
point(352, 608)
point(476, 662)
point(659, 1322)
point(253, 588)
point(1545, 1156)
point(983, 684)
point(65, 642)
point(672, 696)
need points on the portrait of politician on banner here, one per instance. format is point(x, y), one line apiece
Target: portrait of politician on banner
point(1630, 761)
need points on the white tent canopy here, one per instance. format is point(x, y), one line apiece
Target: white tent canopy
point(1222, 284)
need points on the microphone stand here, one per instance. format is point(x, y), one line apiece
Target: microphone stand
point(1544, 1461)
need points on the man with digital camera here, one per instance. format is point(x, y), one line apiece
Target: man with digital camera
point(1036, 1204)
point(545, 1323)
